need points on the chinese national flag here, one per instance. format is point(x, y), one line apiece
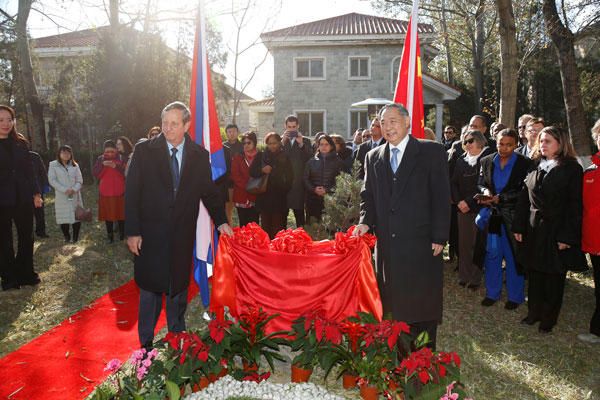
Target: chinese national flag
point(409, 89)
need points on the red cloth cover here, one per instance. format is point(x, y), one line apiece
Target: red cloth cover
point(591, 208)
point(325, 278)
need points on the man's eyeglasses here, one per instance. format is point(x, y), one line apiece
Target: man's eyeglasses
point(469, 141)
point(366, 136)
point(245, 142)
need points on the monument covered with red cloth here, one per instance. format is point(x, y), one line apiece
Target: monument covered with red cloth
point(292, 274)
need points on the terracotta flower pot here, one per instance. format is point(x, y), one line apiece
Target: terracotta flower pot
point(250, 367)
point(204, 382)
point(369, 392)
point(214, 378)
point(300, 375)
point(349, 380)
point(392, 385)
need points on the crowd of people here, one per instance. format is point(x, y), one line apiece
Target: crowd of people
point(520, 209)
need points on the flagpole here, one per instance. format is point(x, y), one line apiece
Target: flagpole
point(414, 21)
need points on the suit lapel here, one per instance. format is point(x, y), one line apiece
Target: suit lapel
point(382, 166)
point(408, 163)
point(160, 151)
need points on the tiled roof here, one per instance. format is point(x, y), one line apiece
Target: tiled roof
point(85, 38)
point(262, 103)
point(349, 24)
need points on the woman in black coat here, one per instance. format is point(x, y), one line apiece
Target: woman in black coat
point(272, 203)
point(319, 176)
point(343, 152)
point(501, 178)
point(463, 186)
point(19, 192)
point(548, 223)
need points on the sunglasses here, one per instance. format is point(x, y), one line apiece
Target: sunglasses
point(247, 142)
point(469, 141)
point(366, 136)
point(522, 127)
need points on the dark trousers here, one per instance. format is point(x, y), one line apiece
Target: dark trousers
point(16, 271)
point(595, 322)
point(40, 219)
point(299, 216)
point(65, 230)
point(453, 248)
point(468, 271)
point(314, 209)
point(149, 311)
point(247, 215)
point(545, 297)
point(416, 328)
point(273, 223)
point(110, 226)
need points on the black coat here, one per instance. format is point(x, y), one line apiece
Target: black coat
point(298, 156)
point(320, 171)
point(361, 152)
point(39, 170)
point(346, 156)
point(17, 180)
point(463, 182)
point(279, 183)
point(456, 151)
point(507, 201)
point(165, 221)
point(551, 211)
point(408, 211)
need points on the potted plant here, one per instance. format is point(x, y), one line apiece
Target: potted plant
point(250, 341)
point(313, 335)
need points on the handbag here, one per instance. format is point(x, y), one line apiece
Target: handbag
point(82, 214)
point(257, 185)
point(496, 220)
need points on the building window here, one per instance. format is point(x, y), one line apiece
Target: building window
point(359, 67)
point(309, 68)
point(311, 122)
point(358, 119)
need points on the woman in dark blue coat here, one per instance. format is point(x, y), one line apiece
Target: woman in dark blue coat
point(19, 192)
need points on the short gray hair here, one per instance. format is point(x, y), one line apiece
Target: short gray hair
point(177, 105)
point(478, 136)
point(403, 111)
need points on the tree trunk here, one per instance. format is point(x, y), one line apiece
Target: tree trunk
point(478, 54)
point(562, 40)
point(114, 15)
point(31, 93)
point(450, 75)
point(508, 62)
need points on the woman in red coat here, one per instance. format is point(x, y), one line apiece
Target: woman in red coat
point(240, 174)
point(110, 170)
point(590, 240)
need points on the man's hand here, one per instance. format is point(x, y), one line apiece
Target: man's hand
point(286, 136)
point(135, 244)
point(37, 201)
point(320, 191)
point(518, 237)
point(437, 249)
point(562, 246)
point(225, 229)
point(299, 138)
point(360, 230)
point(463, 207)
point(266, 169)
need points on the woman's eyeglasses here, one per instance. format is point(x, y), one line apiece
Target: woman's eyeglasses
point(469, 141)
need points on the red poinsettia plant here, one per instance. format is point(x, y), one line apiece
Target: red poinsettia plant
point(187, 357)
point(312, 334)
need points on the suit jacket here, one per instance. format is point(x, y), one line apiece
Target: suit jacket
point(17, 180)
point(522, 150)
point(167, 221)
point(408, 211)
point(39, 170)
point(298, 157)
point(361, 152)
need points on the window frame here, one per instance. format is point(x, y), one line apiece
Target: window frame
point(356, 110)
point(303, 129)
point(359, 78)
point(309, 78)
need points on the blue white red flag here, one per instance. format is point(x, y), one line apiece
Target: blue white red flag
point(205, 131)
point(409, 89)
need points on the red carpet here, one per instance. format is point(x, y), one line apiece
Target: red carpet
point(68, 361)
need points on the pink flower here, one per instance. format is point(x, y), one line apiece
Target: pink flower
point(113, 365)
point(147, 362)
point(141, 372)
point(138, 355)
point(153, 353)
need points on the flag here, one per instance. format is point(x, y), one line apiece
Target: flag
point(409, 89)
point(205, 131)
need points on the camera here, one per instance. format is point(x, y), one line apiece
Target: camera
point(293, 134)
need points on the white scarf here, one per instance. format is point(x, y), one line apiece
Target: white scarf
point(547, 165)
point(472, 160)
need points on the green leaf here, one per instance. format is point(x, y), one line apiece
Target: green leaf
point(173, 390)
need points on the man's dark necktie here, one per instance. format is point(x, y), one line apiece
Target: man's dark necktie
point(175, 166)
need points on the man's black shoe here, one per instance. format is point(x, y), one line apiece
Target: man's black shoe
point(487, 302)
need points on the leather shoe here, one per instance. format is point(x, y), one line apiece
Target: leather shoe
point(487, 302)
point(473, 287)
point(528, 321)
point(511, 305)
point(43, 235)
point(544, 330)
point(589, 338)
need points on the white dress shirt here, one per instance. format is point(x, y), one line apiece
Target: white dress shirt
point(402, 147)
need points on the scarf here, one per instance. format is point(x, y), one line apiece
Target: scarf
point(472, 160)
point(250, 155)
point(547, 165)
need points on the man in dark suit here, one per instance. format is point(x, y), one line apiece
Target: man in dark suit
point(405, 200)
point(299, 151)
point(368, 145)
point(41, 176)
point(532, 129)
point(168, 177)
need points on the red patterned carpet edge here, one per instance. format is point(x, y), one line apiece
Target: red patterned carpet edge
point(68, 361)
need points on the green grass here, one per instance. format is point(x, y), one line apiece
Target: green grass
point(502, 359)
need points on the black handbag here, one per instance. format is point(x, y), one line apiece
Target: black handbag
point(495, 223)
point(257, 185)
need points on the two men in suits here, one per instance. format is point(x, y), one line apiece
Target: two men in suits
point(168, 177)
point(405, 200)
point(367, 145)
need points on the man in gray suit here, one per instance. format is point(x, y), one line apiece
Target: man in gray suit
point(405, 200)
